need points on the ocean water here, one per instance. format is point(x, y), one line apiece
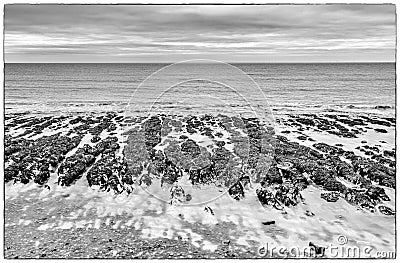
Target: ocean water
point(200, 87)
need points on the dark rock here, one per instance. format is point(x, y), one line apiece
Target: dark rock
point(386, 210)
point(10, 173)
point(389, 153)
point(236, 191)
point(152, 132)
point(286, 194)
point(302, 138)
point(95, 139)
point(382, 107)
point(267, 223)
point(226, 242)
point(171, 173)
point(219, 135)
point(177, 195)
point(376, 172)
point(272, 177)
point(266, 196)
point(346, 171)
point(42, 177)
point(377, 193)
point(319, 250)
point(26, 176)
point(309, 213)
point(320, 176)
point(111, 173)
point(209, 210)
point(330, 196)
point(220, 143)
point(145, 180)
point(190, 147)
point(380, 130)
point(358, 197)
point(328, 148)
point(204, 175)
point(334, 185)
point(306, 121)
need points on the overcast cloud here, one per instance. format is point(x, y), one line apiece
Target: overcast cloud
point(284, 33)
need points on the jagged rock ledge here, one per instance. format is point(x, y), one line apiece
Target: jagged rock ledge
point(117, 153)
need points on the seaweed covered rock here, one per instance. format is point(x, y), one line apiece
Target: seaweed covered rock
point(158, 164)
point(326, 179)
point(177, 195)
point(205, 175)
point(359, 198)
point(254, 131)
point(346, 171)
point(379, 173)
point(75, 165)
point(334, 185)
point(145, 180)
point(95, 139)
point(37, 156)
point(190, 147)
point(42, 177)
point(106, 146)
point(10, 173)
point(326, 148)
point(171, 173)
point(272, 177)
point(107, 173)
point(266, 196)
point(286, 194)
point(236, 191)
point(377, 193)
point(386, 210)
point(152, 132)
point(330, 196)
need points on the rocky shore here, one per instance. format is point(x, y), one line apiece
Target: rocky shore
point(182, 164)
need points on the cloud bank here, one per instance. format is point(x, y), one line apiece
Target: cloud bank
point(157, 33)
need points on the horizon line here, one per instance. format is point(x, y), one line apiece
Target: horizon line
point(231, 62)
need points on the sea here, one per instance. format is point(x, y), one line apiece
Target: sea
point(200, 87)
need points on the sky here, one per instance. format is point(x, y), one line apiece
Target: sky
point(229, 33)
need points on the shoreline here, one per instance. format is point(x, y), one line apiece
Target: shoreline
point(198, 156)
